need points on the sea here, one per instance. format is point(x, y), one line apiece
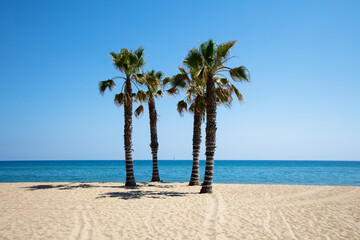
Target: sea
point(332, 173)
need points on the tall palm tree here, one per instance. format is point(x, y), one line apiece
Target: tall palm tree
point(209, 60)
point(153, 82)
point(130, 63)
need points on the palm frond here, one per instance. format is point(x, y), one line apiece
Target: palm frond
point(141, 96)
point(114, 55)
point(119, 99)
point(182, 70)
point(151, 90)
point(189, 93)
point(223, 95)
point(223, 49)
point(159, 75)
point(140, 61)
point(139, 52)
point(153, 83)
point(103, 85)
point(192, 108)
point(237, 93)
point(185, 74)
point(159, 94)
point(222, 81)
point(166, 81)
point(133, 96)
point(172, 91)
point(139, 64)
point(222, 103)
point(139, 77)
point(151, 73)
point(179, 80)
point(181, 107)
point(240, 74)
point(193, 59)
point(208, 51)
point(139, 111)
point(200, 75)
point(120, 60)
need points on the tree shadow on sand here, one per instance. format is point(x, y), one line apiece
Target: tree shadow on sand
point(144, 194)
point(127, 193)
point(87, 185)
point(133, 193)
point(60, 187)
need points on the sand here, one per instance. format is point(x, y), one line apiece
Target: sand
point(177, 211)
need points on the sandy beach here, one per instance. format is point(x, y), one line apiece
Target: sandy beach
point(177, 211)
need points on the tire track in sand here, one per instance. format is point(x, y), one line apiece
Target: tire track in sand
point(266, 224)
point(89, 225)
point(287, 225)
point(78, 225)
point(210, 218)
point(342, 196)
point(83, 226)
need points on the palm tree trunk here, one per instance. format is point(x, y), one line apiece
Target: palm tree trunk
point(210, 135)
point(130, 179)
point(154, 139)
point(195, 177)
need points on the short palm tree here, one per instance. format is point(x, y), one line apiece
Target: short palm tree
point(209, 61)
point(153, 82)
point(195, 97)
point(130, 63)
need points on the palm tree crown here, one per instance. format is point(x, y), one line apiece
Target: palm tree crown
point(153, 81)
point(209, 61)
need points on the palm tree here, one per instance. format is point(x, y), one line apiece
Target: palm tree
point(209, 60)
point(153, 82)
point(130, 63)
point(195, 97)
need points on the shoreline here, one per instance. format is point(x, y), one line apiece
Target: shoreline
point(145, 183)
point(185, 183)
point(108, 210)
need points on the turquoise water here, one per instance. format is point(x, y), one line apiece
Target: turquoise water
point(344, 173)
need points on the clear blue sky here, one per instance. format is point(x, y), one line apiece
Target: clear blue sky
point(303, 102)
